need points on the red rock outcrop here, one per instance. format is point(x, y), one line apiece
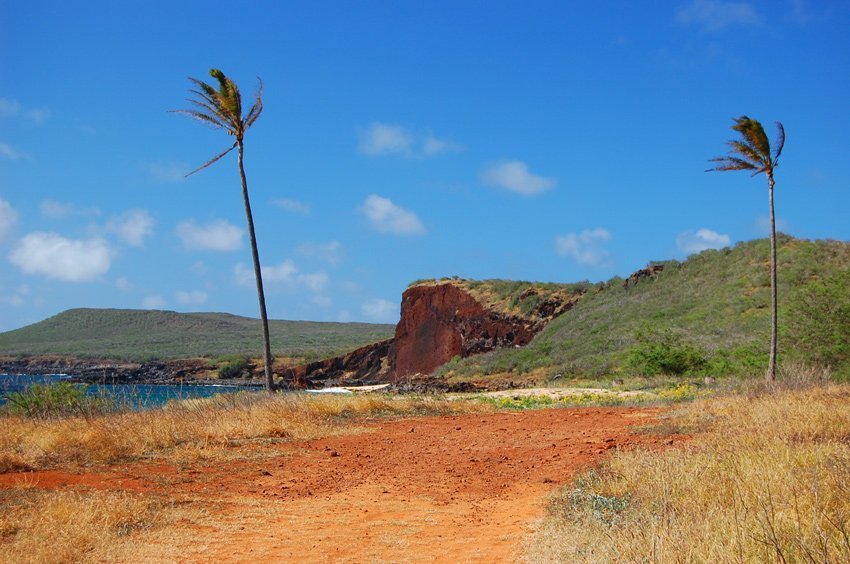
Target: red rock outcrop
point(442, 321)
point(438, 322)
point(366, 365)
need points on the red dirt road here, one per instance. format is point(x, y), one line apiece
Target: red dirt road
point(447, 489)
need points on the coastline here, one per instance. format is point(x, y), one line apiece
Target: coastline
point(194, 372)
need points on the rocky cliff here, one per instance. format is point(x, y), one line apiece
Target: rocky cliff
point(441, 320)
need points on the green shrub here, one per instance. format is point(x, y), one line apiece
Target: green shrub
point(819, 320)
point(51, 400)
point(232, 367)
point(663, 352)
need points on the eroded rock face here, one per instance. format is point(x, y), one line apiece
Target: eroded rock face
point(366, 365)
point(438, 322)
point(648, 272)
point(442, 321)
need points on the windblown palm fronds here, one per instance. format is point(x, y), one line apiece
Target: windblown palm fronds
point(752, 151)
point(222, 109)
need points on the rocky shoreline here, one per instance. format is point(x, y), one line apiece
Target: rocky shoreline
point(178, 372)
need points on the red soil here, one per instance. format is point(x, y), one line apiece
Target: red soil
point(461, 488)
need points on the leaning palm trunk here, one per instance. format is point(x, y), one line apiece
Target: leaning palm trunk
point(774, 321)
point(222, 109)
point(255, 254)
point(752, 152)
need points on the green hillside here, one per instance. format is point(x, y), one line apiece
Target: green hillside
point(163, 335)
point(711, 312)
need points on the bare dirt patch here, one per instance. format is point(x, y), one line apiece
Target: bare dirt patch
point(457, 488)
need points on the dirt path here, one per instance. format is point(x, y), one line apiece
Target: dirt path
point(447, 489)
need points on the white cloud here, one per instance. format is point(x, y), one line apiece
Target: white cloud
point(8, 218)
point(56, 210)
point(330, 252)
point(285, 275)
point(217, 235)
point(122, 283)
point(132, 227)
point(10, 153)
point(13, 109)
point(716, 14)
point(315, 281)
point(168, 171)
point(55, 256)
point(586, 247)
point(433, 146)
point(385, 139)
point(195, 297)
point(381, 139)
point(382, 311)
point(293, 206)
point(515, 176)
point(697, 241)
point(154, 302)
point(387, 217)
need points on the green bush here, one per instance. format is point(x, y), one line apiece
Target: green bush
point(819, 321)
point(52, 400)
point(663, 352)
point(232, 367)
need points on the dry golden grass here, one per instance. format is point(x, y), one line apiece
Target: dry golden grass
point(197, 428)
point(765, 478)
point(72, 526)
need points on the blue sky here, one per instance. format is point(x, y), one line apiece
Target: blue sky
point(553, 141)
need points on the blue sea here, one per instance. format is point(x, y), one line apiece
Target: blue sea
point(134, 396)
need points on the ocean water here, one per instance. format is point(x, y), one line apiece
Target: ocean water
point(135, 396)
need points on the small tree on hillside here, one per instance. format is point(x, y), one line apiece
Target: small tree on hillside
point(752, 152)
point(222, 109)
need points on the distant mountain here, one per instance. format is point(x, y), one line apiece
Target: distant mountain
point(137, 335)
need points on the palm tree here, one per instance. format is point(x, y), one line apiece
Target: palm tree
point(752, 152)
point(222, 109)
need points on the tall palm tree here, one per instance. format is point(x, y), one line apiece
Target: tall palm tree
point(222, 109)
point(752, 152)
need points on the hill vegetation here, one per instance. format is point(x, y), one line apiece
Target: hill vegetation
point(138, 335)
point(708, 315)
point(514, 297)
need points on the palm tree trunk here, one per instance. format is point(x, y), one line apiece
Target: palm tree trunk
point(774, 327)
point(267, 352)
